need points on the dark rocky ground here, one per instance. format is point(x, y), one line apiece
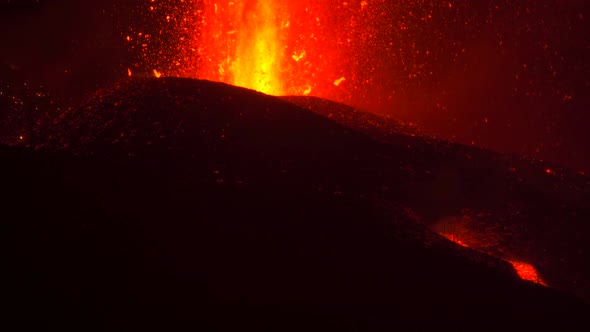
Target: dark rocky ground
point(181, 204)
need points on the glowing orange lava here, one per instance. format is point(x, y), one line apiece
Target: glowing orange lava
point(243, 44)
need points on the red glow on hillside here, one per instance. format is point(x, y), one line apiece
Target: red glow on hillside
point(455, 239)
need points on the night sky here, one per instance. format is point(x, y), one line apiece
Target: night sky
point(512, 76)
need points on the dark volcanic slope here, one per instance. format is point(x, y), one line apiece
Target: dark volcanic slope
point(380, 127)
point(23, 107)
point(174, 203)
point(510, 207)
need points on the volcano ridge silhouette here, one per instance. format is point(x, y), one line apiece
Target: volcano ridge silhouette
point(186, 203)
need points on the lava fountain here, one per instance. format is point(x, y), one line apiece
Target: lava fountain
point(242, 44)
point(278, 47)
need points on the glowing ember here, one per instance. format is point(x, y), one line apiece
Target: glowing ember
point(339, 81)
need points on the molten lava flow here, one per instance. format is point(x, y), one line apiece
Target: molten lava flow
point(527, 272)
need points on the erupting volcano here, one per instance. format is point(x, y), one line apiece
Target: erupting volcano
point(277, 47)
